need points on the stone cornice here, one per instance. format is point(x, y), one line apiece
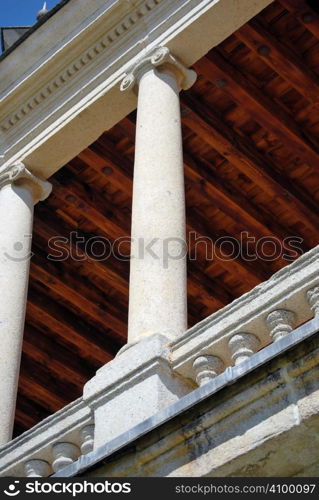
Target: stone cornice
point(77, 65)
point(59, 89)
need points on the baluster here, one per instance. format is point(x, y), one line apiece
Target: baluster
point(37, 468)
point(206, 368)
point(87, 439)
point(280, 323)
point(242, 346)
point(313, 299)
point(64, 454)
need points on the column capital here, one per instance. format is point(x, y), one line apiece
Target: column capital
point(159, 56)
point(18, 171)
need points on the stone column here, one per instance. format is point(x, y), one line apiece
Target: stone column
point(140, 382)
point(157, 297)
point(19, 191)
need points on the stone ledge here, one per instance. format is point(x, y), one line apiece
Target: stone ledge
point(281, 367)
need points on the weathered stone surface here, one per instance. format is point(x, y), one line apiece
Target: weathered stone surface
point(37, 444)
point(265, 424)
point(285, 290)
point(135, 385)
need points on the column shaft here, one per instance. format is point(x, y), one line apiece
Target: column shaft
point(16, 216)
point(158, 300)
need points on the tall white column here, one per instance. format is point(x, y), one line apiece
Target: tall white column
point(158, 294)
point(19, 191)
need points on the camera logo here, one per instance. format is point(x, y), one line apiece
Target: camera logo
point(20, 251)
point(13, 492)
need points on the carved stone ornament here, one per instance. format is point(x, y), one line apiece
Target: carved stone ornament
point(313, 299)
point(158, 57)
point(87, 438)
point(64, 454)
point(37, 468)
point(242, 346)
point(18, 171)
point(280, 323)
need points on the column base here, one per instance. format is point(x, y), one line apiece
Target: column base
point(133, 387)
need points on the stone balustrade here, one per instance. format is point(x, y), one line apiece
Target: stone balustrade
point(51, 445)
point(229, 337)
point(264, 315)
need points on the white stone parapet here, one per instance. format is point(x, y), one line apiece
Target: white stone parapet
point(50, 445)
point(264, 315)
point(155, 373)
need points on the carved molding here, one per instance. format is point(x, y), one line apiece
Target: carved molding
point(122, 28)
point(17, 171)
point(313, 299)
point(286, 290)
point(158, 57)
point(87, 437)
point(77, 112)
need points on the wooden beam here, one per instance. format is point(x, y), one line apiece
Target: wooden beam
point(74, 197)
point(105, 222)
point(80, 278)
point(280, 58)
point(34, 388)
point(112, 271)
point(46, 316)
point(247, 274)
point(77, 292)
point(240, 266)
point(304, 13)
point(28, 413)
point(119, 178)
point(23, 421)
point(224, 197)
point(230, 201)
point(58, 385)
point(212, 292)
point(226, 203)
point(59, 360)
point(261, 108)
point(241, 154)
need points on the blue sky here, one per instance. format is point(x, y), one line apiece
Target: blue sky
point(21, 12)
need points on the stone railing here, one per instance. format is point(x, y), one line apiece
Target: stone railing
point(51, 445)
point(228, 337)
point(264, 315)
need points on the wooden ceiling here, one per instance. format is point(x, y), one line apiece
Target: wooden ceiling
point(251, 143)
